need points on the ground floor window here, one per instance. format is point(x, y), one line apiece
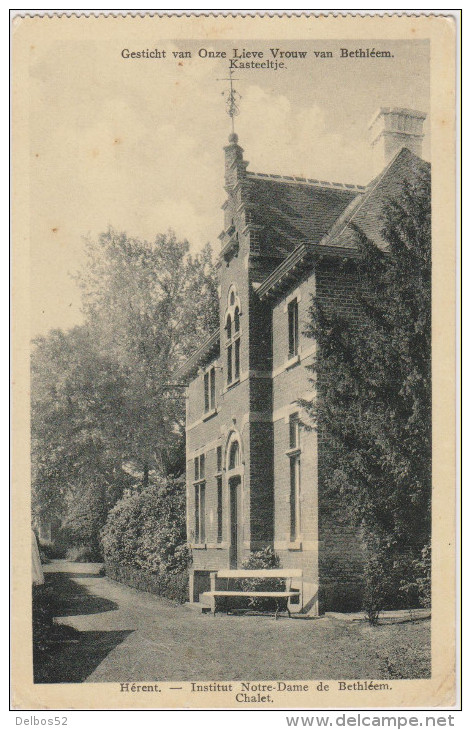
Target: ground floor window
point(294, 455)
point(219, 514)
point(295, 468)
point(199, 513)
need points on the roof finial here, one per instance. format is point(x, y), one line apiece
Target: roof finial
point(232, 99)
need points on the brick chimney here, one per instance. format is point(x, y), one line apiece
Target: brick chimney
point(392, 129)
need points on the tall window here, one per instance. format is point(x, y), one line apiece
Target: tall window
point(233, 338)
point(294, 455)
point(236, 340)
point(219, 492)
point(293, 331)
point(199, 489)
point(210, 390)
point(234, 455)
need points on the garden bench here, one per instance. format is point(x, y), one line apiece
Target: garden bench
point(282, 598)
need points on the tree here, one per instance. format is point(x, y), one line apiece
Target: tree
point(106, 414)
point(150, 304)
point(373, 380)
point(76, 403)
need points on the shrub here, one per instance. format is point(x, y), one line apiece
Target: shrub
point(147, 532)
point(83, 554)
point(265, 559)
point(173, 586)
point(377, 587)
point(417, 588)
point(51, 551)
point(82, 528)
point(43, 615)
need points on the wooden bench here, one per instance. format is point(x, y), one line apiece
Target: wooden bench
point(282, 598)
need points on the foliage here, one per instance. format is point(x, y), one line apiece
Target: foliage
point(418, 585)
point(83, 554)
point(105, 412)
point(173, 586)
point(43, 615)
point(75, 410)
point(373, 379)
point(147, 530)
point(266, 559)
point(151, 303)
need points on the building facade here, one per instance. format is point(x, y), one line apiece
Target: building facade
point(255, 475)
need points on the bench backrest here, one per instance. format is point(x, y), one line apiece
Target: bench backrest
point(263, 573)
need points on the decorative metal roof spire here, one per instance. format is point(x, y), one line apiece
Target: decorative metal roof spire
point(232, 97)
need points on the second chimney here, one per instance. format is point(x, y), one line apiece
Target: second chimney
point(393, 128)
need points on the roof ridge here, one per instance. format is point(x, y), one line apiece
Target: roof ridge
point(306, 181)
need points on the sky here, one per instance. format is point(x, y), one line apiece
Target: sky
point(137, 144)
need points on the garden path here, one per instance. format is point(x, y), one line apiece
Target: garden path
point(128, 635)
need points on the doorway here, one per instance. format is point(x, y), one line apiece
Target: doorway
point(235, 521)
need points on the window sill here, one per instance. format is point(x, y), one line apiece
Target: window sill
point(198, 545)
point(293, 361)
point(209, 414)
point(229, 386)
point(216, 545)
point(295, 545)
point(293, 452)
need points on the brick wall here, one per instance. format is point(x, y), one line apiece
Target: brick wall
point(341, 556)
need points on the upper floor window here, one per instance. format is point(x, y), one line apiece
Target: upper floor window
point(234, 455)
point(293, 328)
point(210, 389)
point(294, 427)
point(232, 337)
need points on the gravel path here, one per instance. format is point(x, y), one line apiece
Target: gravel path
point(127, 635)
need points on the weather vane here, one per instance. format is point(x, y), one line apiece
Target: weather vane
point(232, 97)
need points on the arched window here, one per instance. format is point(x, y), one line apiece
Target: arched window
point(234, 455)
point(233, 336)
point(236, 320)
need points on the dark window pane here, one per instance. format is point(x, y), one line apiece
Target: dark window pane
point(229, 364)
point(293, 501)
point(294, 431)
point(237, 359)
point(228, 328)
point(212, 398)
point(202, 513)
point(197, 469)
point(197, 514)
point(234, 455)
point(206, 392)
point(236, 320)
point(219, 458)
point(202, 466)
point(293, 334)
point(219, 489)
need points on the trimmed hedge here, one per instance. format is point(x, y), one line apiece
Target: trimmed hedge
point(172, 586)
point(144, 540)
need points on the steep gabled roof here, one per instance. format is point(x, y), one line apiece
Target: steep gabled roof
point(208, 350)
point(366, 210)
point(294, 210)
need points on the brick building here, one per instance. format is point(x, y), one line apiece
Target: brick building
point(255, 476)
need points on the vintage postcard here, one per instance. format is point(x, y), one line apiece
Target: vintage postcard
point(234, 361)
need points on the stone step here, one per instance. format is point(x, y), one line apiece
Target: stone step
point(198, 607)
